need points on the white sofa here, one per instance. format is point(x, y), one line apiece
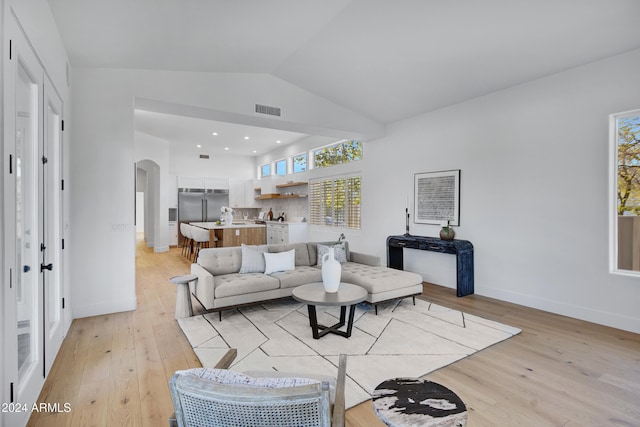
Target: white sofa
point(220, 285)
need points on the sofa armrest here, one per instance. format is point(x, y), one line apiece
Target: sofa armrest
point(364, 259)
point(204, 287)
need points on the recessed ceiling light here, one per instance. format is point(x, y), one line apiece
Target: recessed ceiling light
point(246, 137)
point(278, 142)
point(215, 134)
point(226, 148)
point(199, 146)
point(254, 151)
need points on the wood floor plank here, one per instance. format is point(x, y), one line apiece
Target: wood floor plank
point(114, 369)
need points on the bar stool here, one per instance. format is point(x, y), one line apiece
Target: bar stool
point(184, 230)
point(200, 237)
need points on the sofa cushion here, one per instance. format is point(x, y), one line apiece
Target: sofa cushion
point(300, 276)
point(339, 253)
point(302, 252)
point(221, 260)
point(228, 285)
point(253, 258)
point(313, 250)
point(281, 261)
point(378, 279)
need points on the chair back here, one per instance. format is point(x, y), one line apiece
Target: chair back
point(200, 402)
point(199, 234)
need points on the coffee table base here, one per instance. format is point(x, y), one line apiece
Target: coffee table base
point(320, 330)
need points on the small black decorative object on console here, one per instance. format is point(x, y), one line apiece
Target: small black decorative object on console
point(462, 249)
point(407, 227)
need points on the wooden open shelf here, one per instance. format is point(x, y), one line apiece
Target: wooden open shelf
point(280, 196)
point(291, 184)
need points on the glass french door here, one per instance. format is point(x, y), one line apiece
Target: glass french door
point(52, 224)
point(33, 312)
point(29, 345)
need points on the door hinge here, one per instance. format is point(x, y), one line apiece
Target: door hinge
point(62, 125)
point(62, 243)
point(42, 247)
point(63, 303)
point(10, 48)
point(10, 164)
point(44, 160)
point(10, 278)
point(11, 392)
point(62, 185)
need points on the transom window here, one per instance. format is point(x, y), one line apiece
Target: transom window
point(300, 163)
point(342, 152)
point(281, 167)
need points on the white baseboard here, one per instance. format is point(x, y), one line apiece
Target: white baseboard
point(106, 307)
point(614, 320)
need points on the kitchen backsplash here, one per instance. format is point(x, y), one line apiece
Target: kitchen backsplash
point(291, 207)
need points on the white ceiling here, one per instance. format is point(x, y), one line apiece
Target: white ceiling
point(197, 134)
point(384, 59)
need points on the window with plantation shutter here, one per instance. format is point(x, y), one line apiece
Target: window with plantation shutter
point(335, 202)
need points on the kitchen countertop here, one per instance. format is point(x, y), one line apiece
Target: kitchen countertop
point(286, 222)
point(214, 226)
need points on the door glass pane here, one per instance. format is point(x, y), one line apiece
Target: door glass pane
point(27, 250)
point(52, 208)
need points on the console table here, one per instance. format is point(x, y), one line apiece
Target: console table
point(462, 249)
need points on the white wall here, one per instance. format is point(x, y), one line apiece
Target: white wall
point(102, 158)
point(185, 161)
point(534, 190)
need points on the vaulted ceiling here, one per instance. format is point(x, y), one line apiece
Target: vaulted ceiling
point(384, 59)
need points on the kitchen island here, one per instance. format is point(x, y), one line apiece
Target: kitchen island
point(234, 234)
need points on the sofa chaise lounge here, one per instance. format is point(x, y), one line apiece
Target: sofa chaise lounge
point(221, 284)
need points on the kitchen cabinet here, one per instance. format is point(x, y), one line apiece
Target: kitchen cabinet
point(208, 183)
point(242, 193)
point(236, 236)
point(287, 232)
point(173, 233)
point(237, 191)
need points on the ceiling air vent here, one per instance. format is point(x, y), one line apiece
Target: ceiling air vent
point(265, 109)
point(204, 156)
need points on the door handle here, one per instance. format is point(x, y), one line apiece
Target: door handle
point(46, 267)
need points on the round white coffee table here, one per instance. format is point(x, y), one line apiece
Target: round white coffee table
point(183, 295)
point(314, 294)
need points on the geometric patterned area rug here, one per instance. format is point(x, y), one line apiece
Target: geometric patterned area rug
point(403, 340)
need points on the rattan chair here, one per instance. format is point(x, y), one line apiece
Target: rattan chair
point(201, 402)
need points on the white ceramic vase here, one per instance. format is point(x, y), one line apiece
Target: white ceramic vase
point(226, 217)
point(331, 272)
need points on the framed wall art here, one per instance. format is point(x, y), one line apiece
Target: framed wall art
point(437, 197)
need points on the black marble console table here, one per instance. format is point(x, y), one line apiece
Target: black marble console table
point(463, 250)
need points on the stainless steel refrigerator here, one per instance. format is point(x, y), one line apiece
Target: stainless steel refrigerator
point(200, 205)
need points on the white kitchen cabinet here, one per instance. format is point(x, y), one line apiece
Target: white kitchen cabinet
point(287, 232)
point(209, 183)
point(237, 190)
point(173, 233)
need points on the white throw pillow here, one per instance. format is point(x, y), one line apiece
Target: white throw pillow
point(253, 259)
point(339, 253)
point(281, 261)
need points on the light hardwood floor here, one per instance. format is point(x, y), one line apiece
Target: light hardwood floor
point(114, 369)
